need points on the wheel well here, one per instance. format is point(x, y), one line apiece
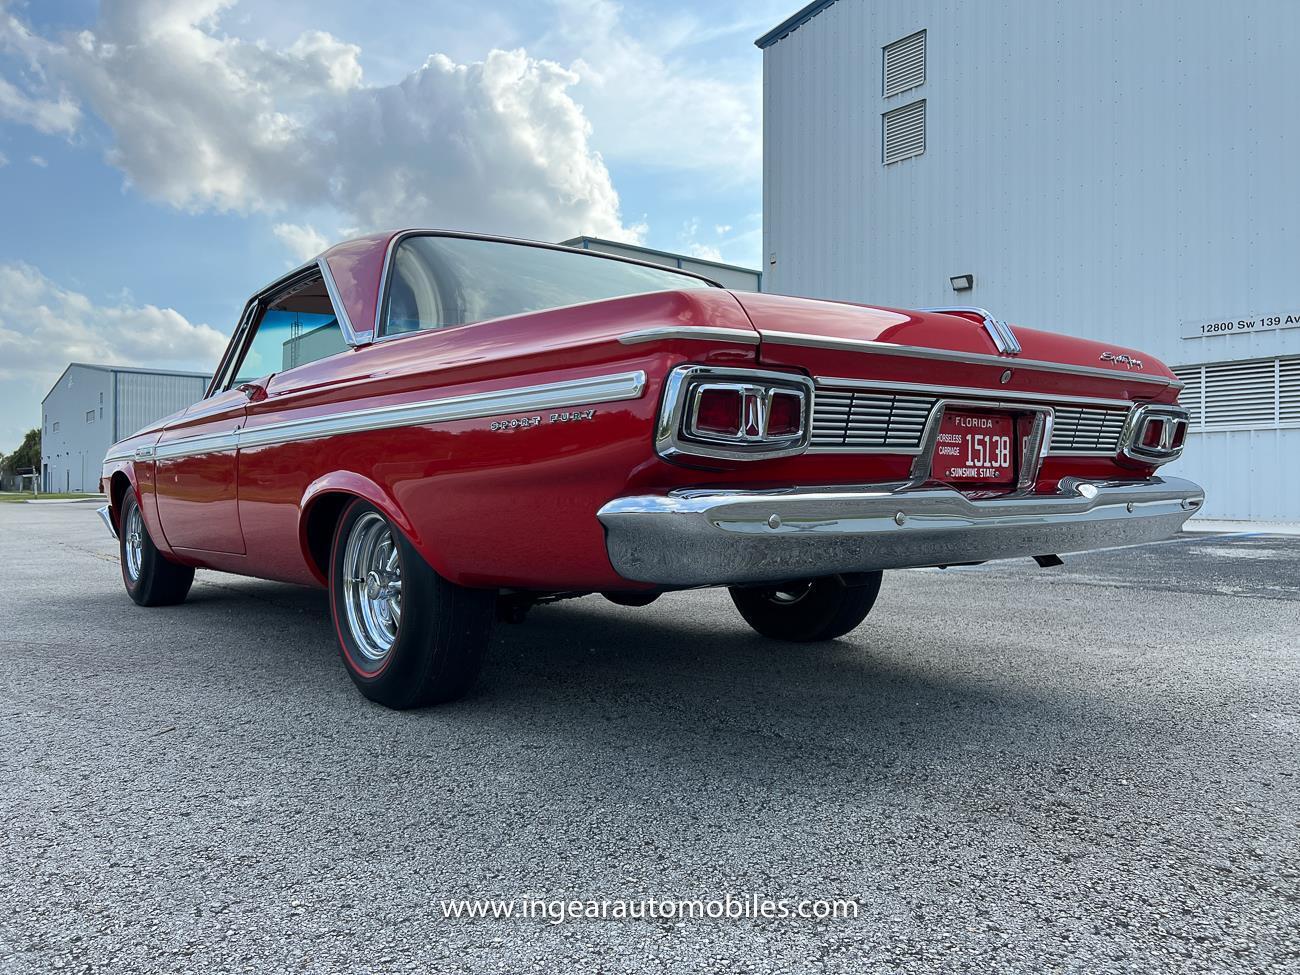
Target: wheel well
point(117, 489)
point(319, 523)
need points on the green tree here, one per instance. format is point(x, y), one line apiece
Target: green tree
point(28, 455)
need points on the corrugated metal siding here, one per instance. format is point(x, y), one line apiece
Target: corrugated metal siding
point(145, 397)
point(1110, 177)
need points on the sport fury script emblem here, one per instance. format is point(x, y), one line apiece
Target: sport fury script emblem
point(1124, 360)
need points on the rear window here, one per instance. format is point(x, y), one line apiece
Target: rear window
point(442, 282)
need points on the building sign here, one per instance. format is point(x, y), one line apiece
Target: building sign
point(1241, 326)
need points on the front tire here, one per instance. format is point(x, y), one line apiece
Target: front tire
point(808, 611)
point(408, 637)
point(151, 579)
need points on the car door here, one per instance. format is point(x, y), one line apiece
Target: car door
point(195, 465)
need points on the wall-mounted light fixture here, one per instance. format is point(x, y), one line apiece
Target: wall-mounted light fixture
point(962, 282)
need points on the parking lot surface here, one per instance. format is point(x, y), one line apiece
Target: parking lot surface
point(1090, 768)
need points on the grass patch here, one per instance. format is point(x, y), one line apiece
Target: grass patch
point(16, 496)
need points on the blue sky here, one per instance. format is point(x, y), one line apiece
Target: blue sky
point(161, 159)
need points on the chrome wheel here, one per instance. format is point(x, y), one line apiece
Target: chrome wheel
point(372, 587)
point(133, 543)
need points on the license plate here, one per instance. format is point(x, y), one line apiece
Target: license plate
point(975, 448)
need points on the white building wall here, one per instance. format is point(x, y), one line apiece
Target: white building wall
point(92, 407)
point(1116, 171)
point(76, 429)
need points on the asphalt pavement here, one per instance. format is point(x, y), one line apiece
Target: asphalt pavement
point(1091, 768)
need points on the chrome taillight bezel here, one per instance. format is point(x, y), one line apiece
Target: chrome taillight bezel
point(1172, 418)
point(676, 434)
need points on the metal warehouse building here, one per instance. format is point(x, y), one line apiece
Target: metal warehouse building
point(92, 407)
point(1121, 172)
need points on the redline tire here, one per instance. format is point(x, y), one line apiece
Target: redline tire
point(808, 611)
point(151, 579)
point(407, 636)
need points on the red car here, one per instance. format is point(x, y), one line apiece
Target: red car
point(444, 428)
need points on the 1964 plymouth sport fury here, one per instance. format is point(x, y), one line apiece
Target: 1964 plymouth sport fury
point(443, 428)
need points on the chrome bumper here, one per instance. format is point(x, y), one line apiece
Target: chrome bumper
point(711, 537)
point(107, 518)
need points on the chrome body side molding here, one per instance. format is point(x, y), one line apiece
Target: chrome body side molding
point(548, 396)
point(726, 537)
point(698, 333)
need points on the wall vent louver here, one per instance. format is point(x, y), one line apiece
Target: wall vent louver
point(904, 64)
point(904, 132)
point(1257, 394)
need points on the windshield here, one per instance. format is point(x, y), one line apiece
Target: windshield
point(441, 282)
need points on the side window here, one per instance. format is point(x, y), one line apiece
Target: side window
point(297, 327)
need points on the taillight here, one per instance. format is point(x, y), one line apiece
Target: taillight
point(718, 410)
point(1155, 434)
point(734, 414)
point(784, 414)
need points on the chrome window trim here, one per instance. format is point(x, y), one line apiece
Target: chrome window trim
point(390, 252)
point(350, 334)
point(1004, 339)
point(669, 442)
point(236, 342)
point(943, 355)
point(611, 388)
point(242, 337)
point(696, 333)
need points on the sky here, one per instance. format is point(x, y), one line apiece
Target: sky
point(160, 160)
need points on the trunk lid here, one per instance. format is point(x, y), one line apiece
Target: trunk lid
point(831, 339)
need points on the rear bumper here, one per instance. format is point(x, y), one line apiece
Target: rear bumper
point(710, 537)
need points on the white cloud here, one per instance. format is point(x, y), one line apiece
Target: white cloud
point(4, 160)
point(43, 327)
point(650, 101)
point(303, 240)
point(60, 115)
point(203, 120)
point(706, 251)
point(40, 161)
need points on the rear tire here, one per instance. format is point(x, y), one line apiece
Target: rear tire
point(151, 579)
point(808, 611)
point(408, 637)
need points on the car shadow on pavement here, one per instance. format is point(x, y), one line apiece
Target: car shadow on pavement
point(683, 683)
